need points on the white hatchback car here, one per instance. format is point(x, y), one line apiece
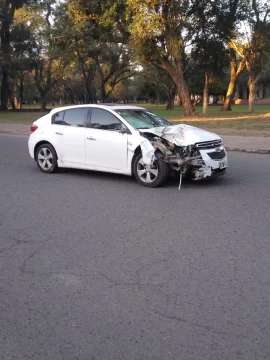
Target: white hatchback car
point(127, 140)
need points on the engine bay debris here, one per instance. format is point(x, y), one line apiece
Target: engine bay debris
point(178, 147)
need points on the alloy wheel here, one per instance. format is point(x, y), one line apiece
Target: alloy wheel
point(147, 173)
point(45, 158)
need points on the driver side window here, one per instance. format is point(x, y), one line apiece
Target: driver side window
point(104, 120)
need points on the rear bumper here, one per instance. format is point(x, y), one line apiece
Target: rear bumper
point(31, 147)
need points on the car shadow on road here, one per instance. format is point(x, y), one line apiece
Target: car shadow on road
point(98, 175)
point(172, 183)
point(219, 181)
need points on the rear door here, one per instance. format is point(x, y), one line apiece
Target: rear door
point(106, 142)
point(69, 135)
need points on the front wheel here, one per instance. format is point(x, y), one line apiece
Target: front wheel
point(46, 158)
point(150, 176)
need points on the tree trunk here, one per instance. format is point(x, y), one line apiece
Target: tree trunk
point(107, 96)
point(12, 102)
point(206, 93)
point(7, 18)
point(235, 72)
point(43, 103)
point(88, 97)
point(4, 89)
point(11, 97)
point(184, 95)
point(70, 94)
point(176, 73)
point(103, 94)
point(252, 85)
point(44, 82)
point(261, 91)
point(88, 76)
point(21, 91)
point(171, 96)
point(227, 106)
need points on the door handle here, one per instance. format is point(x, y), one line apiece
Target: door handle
point(91, 138)
point(58, 133)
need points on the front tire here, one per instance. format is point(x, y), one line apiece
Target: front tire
point(152, 176)
point(46, 158)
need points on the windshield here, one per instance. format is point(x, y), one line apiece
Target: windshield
point(142, 119)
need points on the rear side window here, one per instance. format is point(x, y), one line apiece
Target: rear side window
point(58, 118)
point(72, 117)
point(104, 120)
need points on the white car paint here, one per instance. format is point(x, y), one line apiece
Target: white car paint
point(182, 134)
point(112, 151)
point(106, 150)
point(70, 143)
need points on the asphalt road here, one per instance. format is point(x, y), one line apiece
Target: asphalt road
point(95, 267)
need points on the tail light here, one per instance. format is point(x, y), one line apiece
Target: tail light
point(33, 128)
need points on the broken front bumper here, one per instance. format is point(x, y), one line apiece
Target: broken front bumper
point(214, 163)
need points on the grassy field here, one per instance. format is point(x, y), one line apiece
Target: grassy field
point(26, 117)
point(213, 111)
point(236, 122)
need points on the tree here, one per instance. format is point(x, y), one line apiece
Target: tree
point(160, 32)
point(211, 59)
point(222, 18)
point(114, 64)
point(73, 85)
point(208, 52)
point(22, 49)
point(48, 59)
point(229, 15)
point(237, 66)
point(97, 40)
point(160, 83)
point(257, 47)
point(7, 9)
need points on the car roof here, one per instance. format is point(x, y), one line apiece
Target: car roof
point(99, 106)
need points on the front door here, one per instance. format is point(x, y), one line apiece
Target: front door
point(106, 142)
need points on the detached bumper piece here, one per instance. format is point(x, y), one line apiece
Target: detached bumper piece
point(214, 158)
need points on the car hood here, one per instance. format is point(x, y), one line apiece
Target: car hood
point(182, 134)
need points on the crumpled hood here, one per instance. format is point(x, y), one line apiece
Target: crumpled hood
point(182, 134)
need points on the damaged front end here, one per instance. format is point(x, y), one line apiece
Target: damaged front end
point(189, 160)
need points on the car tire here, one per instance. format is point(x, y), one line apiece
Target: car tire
point(46, 158)
point(155, 176)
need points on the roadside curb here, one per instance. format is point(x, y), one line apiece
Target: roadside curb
point(253, 151)
point(6, 132)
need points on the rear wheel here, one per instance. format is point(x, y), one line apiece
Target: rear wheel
point(46, 158)
point(150, 175)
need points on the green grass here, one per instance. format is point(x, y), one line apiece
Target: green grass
point(248, 127)
point(237, 110)
point(235, 122)
point(18, 117)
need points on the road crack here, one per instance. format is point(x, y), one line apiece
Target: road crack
point(160, 218)
point(208, 328)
